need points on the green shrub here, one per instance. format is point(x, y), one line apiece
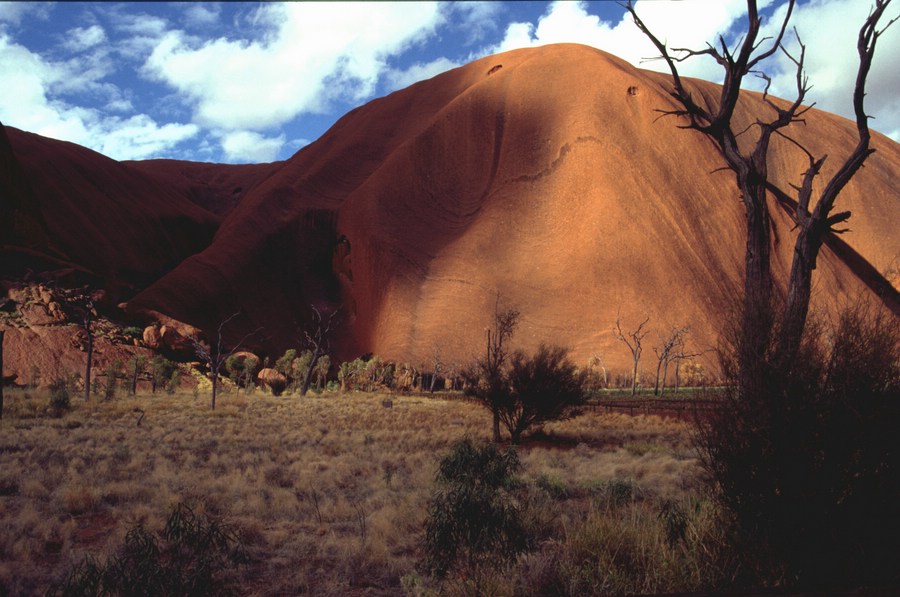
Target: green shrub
point(553, 486)
point(285, 362)
point(174, 381)
point(60, 398)
point(113, 373)
point(133, 332)
point(351, 375)
point(474, 524)
point(161, 370)
point(241, 368)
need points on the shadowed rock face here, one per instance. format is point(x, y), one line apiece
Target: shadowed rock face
point(544, 175)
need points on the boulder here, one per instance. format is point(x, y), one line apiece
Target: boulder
point(272, 379)
point(36, 313)
point(247, 357)
point(152, 337)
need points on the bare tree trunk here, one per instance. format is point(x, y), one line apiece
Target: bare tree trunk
point(796, 306)
point(677, 375)
point(658, 371)
point(309, 371)
point(664, 376)
point(2, 332)
point(715, 121)
point(756, 319)
point(215, 382)
point(634, 346)
point(496, 427)
point(90, 355)
point(634, 374)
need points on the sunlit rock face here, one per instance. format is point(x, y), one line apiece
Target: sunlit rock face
point(545, 176)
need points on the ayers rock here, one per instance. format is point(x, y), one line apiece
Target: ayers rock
point(545, 175)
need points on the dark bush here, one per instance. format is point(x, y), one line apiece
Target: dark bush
point(808, 462)
point(188, 558)
point(543, 387)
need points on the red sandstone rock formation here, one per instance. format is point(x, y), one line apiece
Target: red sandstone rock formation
point(551, 181)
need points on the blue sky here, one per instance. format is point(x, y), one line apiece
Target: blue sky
point(251, 82)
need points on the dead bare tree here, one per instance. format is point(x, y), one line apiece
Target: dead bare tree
point(319, 340)
point(714, 119)
point(486, 378)
point(763, 449)
point(438, 364)
point(666, 352)
point(632, 340)
point(215, 355)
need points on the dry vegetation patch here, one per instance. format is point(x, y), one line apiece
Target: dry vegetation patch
point(329, 492)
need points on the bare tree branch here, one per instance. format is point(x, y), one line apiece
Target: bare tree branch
point(632, 340)
point(215, 355)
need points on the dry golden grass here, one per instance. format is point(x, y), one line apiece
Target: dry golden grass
point(330, 492)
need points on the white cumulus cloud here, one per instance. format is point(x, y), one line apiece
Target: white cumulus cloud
point(827, 27)
point(829, 30)
point(687, 24)
point(82, 38)
point(251, 147)
point(201, 14)
point(35, 108)
point(314, 52)
point(419, 71)
point(14, 12)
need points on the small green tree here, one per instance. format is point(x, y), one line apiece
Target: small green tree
point(240, 368)
point(474, 525)
point(113, 373)
point(285, 363)
point(323, 366)
point(351, 374)
point(161, 370)
point(300, 368)
point(135, 368)
point(60, 400)
point(174, 381)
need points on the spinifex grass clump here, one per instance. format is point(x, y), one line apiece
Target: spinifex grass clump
point(60, 395)
point(187, 558)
